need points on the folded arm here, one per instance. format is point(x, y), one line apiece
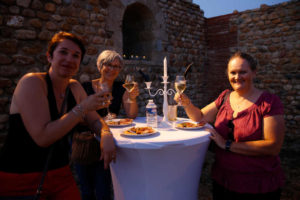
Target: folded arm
point(270, 144)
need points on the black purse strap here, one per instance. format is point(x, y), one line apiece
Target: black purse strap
point(62, 111)
point(225, 98)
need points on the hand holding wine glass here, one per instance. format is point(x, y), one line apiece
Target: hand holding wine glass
point(103, 87)
point(180, 85)
point(129, 85)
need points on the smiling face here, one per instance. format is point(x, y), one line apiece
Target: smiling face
point(111, 71)
point(66, 58)
point(240, 75)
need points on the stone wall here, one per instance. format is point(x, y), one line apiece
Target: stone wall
point(271, 34)
point(27, 25)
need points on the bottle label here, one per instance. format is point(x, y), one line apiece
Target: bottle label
point(151, 111)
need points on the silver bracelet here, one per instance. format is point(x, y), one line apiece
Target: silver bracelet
point(77, 110)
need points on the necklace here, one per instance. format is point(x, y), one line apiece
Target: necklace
point(238, 105)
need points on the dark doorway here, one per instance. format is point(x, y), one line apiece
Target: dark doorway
point(137, 32)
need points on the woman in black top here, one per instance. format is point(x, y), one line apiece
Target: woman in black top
point(95, 181)
point(37, 125)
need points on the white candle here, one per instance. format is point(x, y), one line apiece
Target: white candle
point(165, 67)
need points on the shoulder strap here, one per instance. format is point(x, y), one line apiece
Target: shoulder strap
point(225, 98)
point(62, 110)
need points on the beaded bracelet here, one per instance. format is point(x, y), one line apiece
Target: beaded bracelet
point(77, 110)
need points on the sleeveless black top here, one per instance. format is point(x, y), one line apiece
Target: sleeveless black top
point(20, 154)
point(117, 93)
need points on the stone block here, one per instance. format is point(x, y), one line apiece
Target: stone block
point(25, 34)
point(8, 46)
point(37, 23)
point(50, 7)
point(23, 60)
point(15, 21)
point(23, 3)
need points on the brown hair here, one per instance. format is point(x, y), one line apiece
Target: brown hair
point(60, 36)
point(252, 62)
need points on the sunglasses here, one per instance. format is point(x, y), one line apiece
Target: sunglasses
point(230, 126)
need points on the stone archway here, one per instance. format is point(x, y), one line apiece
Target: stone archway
point(137, 30)
point(117, 9)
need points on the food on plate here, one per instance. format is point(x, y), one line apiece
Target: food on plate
point(140, 130)
point(190, 125)
point(119, 122)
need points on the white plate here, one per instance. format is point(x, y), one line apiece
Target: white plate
point(189, 128)
point(137, 135)
point(117, 125)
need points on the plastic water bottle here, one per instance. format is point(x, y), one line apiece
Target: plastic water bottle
point(151, 114)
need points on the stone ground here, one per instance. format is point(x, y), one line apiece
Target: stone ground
point(290, 161)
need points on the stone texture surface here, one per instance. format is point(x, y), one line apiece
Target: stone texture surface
point(270, 33)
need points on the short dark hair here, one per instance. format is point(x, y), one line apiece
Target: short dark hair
point(252, 62)
point(60, 36)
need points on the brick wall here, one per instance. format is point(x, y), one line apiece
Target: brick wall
point(221, 37)
point(271, 35)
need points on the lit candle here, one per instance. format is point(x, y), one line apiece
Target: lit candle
point(165, 67)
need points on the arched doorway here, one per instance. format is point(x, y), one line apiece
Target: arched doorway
point(137, 30)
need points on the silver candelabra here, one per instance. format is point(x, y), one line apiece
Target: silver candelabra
point(165, 92)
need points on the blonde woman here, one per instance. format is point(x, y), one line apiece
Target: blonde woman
point(95, 181)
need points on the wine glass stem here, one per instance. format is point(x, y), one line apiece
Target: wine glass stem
point(108, 114)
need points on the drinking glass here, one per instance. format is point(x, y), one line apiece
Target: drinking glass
point(105, 88)
point(172, 113)
point(180, 85)
point(129, 85)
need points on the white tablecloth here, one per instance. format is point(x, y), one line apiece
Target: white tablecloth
point(164, 166)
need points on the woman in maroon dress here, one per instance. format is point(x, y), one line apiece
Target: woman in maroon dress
point(249, 132)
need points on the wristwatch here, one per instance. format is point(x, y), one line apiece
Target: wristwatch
point(228, 145)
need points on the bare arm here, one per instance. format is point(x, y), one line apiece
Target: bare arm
point(273, 135)
point(107, 145)
point(207, 114)
point(30, 100)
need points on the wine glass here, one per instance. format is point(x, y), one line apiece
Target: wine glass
point(129, 85)
point(180, 85)
point(105, 88)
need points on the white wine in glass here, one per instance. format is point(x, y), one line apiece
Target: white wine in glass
point(180, 85)
point(129, 85)
point(105, 88)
